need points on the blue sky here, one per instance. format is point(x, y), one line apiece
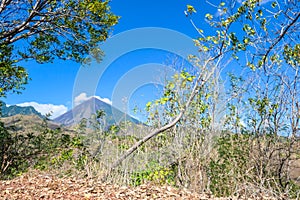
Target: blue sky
point(52, 84)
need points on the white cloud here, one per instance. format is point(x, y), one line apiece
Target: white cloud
point(55, 110)
point(106, 100)
point(80, 98)
point(83, 97)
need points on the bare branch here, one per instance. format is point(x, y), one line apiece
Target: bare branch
point(37, 7)
point(279, 38)
point(3, 4)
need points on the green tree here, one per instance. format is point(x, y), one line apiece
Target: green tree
point(43, 30)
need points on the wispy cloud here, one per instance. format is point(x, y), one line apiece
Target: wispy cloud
point(55, 110)
point(83, 97)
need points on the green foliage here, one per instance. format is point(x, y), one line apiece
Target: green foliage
point(175, 93)
point(191, 9)
point(6, 141)
point(12, 76)
point(49, 30)
point(139, 178)
point(43, 150)
point(294, 189)
point(155, 174)
point(248, 159)
point(292, 55)
point(125, 142)
point(231, 165)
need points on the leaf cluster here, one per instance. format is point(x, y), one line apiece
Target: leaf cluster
point(43, 30)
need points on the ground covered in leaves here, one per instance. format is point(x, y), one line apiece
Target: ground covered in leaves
point(37, 185)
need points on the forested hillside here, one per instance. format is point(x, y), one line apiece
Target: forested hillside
point(7, 111)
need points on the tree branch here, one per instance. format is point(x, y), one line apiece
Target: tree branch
point(280, 37)
point(3, 4)
point(200, 82)
point(37, 7)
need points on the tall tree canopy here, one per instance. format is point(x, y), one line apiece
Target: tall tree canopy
point(43, 30)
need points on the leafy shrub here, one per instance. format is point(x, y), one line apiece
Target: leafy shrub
point(47, 148)
point(230, 166)
point(156, 174)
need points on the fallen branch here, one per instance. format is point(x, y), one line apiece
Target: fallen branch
point(199, 84)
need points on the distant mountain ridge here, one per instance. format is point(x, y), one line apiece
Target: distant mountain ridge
point(88, 108)
point(8, 111)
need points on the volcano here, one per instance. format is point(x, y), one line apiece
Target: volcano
point(88, 108)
